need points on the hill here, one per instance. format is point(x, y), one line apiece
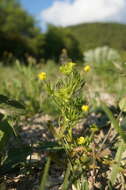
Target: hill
point(91, 35)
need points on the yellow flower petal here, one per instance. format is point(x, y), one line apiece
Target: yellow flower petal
point(42, 76)
point(67, 68)
point(85, 108)
point(87, 68)
point(80, 140)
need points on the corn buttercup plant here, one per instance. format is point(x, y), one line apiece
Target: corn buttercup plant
point(67, 96)
point(85, 157)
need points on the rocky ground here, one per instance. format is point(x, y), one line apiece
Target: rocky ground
point(35, 130)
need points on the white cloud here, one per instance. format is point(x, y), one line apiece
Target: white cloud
point(68, 12)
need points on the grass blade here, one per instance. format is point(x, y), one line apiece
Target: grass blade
point(45, 175)
point(66, 177)
point(85, 185)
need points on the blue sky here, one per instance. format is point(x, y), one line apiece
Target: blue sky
point(70, 12)
point(36, 6)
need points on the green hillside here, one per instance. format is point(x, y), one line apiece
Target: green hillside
point(91, 35)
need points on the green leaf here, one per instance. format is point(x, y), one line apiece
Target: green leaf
point(111, 117)
point(3, 186)
point(123, 129)
point(117, 160)
point(1, 135)
point(122, 104)
point(15, 104)
point(15, 156)
point(5, 132)
point(9, 102)
point(3, 99)
point(119, 129)
point(50, 146)
point(85, 185)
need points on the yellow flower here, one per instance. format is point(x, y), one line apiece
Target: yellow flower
point(85, 108)
point(81, 140)
point(42, 76)
point(67, 68)
point(93, 166)
point(94, 128)
point(87, 68)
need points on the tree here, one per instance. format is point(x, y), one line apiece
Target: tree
point(58, 38)
point(14, 19)
point(17, 28)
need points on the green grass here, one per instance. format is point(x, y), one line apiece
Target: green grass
point(21, 83)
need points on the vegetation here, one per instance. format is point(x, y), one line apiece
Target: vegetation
point(58, 38)
point(22, 37)
point(85, 153)
point(63, 112)
point(16, 35)
point(101, 55)
point(92, 35)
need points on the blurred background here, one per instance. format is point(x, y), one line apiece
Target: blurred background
point(43, 28)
